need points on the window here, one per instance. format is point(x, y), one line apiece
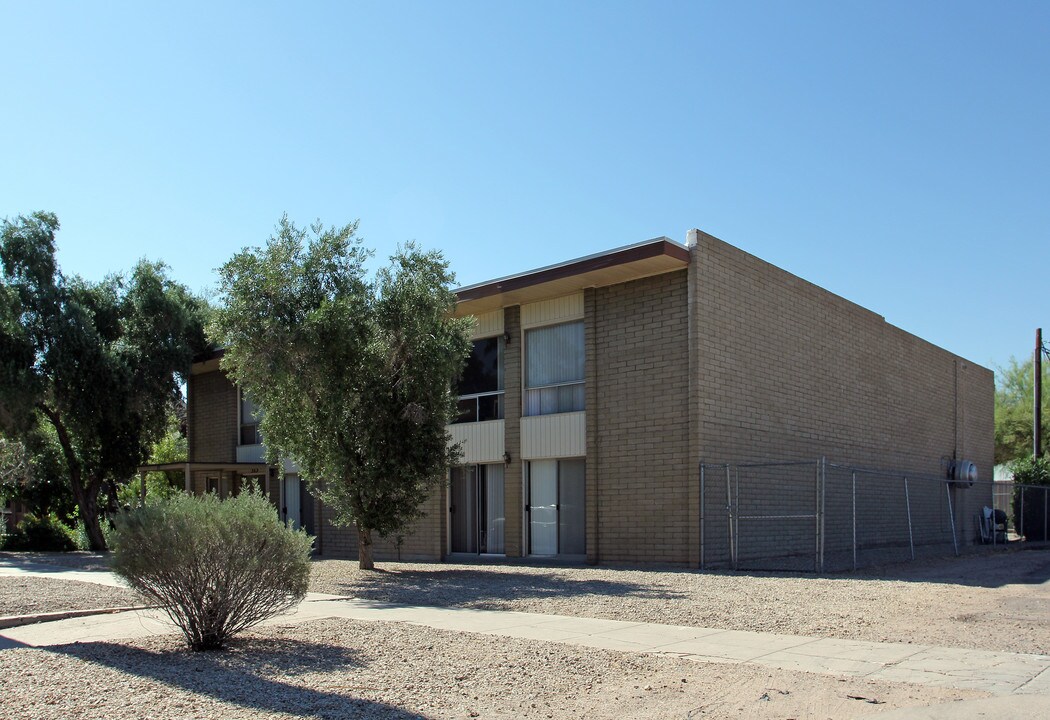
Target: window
point(249, 422)
point(554, 369)
point(480, 387)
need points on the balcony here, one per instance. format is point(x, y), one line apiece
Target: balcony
point(257, 454)
point(480, 442)
point(251, 453)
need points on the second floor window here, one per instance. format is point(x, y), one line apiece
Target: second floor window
point(481, 385)
point(554, 369)
point(249, 422)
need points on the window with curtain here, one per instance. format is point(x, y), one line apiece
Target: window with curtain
point(554, 369)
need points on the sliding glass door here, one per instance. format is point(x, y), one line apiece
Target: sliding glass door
point(555, 508)
point(476, 514)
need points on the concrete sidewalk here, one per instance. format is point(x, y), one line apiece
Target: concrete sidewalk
point(9, 566)
point(998, 673)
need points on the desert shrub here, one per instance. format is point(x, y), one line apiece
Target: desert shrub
point(1029, 474)
point(215, 566)
point(45, 533)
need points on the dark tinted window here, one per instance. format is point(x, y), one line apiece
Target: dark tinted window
point(482, 372)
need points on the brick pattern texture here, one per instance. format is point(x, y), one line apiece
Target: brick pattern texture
point(728, 361)
point(513, 494)
point(638, 436)
point(788, 370)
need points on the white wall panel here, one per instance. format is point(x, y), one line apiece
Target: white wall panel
point(482, 441)
point(488, 324)
point(556, 310)
point(554, 436)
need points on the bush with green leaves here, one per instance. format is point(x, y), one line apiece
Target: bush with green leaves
point(1032, 483)
point(46, 533)
point(216, 567)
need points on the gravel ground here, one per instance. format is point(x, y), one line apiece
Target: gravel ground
point(346, 669)
point(991, 602)
point(22, 595)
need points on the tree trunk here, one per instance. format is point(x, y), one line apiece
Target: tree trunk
point(364, 548)
point(87, 498)
point(87, 505)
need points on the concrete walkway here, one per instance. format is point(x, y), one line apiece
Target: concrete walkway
point(998, 673)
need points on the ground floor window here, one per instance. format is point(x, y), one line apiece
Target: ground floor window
point(554, 507)
point(476, 515)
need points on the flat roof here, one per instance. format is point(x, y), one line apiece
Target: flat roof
point(611, 267)
point(631, 262)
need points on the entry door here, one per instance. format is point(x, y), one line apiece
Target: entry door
point(543, 507)
point(476, 510)
point(463, 509)
point(292, 515)
point(557, 518)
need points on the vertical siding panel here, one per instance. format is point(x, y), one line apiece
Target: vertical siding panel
point(488, 324)
point(482, 441)
point(554, 436)
point(548, 312)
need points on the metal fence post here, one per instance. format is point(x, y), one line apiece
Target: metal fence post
point(816, 517)
point(1021, 531)
point(729, 517)
point(823, 493)
point(907, 505)
point(701, 516)
point(995, 504)
point(1045, 538)
point(854, 520)
point(736, 515)
point(951, 517)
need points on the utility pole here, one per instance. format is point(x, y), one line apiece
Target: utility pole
point(1037, 408)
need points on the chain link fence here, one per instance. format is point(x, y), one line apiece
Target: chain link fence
point(820, 516)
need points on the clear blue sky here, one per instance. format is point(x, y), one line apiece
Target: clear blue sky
point(897, 154)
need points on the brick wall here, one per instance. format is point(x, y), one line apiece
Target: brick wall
point(788, 370)
point(424, 540)
point(212, 418)
point(638, 435)
point(512, 473)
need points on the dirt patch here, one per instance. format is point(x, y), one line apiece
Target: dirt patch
point(25, 594)
point(992, 602)
point(346, 669)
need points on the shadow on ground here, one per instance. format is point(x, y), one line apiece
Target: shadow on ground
point(485, 589)
point(984, 567)
point(244, 675)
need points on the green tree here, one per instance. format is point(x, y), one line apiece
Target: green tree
point(33, 472)
point(97, 362)
point(353, 375)
point(171, 447)
point(1014, 391)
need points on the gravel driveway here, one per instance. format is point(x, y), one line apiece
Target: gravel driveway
point(993, 602)
point(347, 669)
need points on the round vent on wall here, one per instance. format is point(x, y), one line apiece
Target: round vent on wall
point(963, 472)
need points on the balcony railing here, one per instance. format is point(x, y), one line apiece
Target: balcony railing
point(251, 453)
point(480, 407)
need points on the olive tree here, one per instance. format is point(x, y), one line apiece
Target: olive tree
point(354, 374)
point(99, 363)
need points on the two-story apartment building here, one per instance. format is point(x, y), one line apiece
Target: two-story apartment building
point(597, 386)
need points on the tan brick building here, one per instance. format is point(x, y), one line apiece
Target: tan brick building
point(597, 387)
